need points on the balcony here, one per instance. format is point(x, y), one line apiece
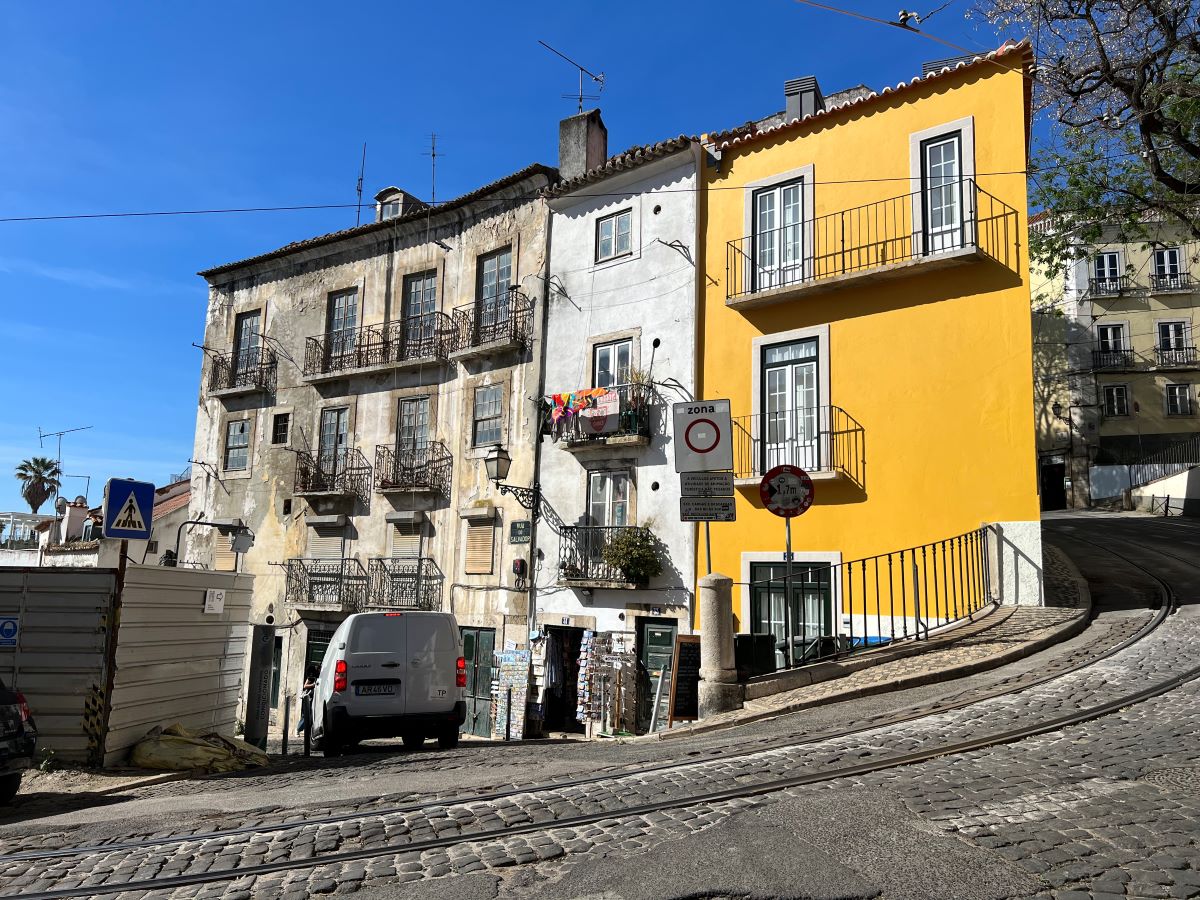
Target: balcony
point(421, 469)
point(405, 584)
point(1175, 357)
point(879, 241)
point(493, 326)
point(1112, 359)
point(408, 344)
point(331, 584)
point(825, 441)
point(625, 416)
point(581, 557)
point(242, 372)
point(1108, 287)
point(343, 474)
point(1179, 283)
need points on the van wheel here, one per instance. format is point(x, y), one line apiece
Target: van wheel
point(413, 740)
point(448, 739)
point(331, 744)
point(9, 785)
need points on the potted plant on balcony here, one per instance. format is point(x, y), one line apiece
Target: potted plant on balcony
point(635, 413)
point(636, 552)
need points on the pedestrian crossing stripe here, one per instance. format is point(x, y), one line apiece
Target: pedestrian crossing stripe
point(130, 517)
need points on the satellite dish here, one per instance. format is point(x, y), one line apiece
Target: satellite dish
point(80, 500)
point(60, 505)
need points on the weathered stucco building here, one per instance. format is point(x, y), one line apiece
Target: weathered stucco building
point(352, 385)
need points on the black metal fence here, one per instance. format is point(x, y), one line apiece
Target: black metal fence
point(501, 320)
point(816, 438)
point(1175, 356)
point(427, 336)
point(423, 467)
point(250, 369)
point(842, 608)
point(405, 584)
point(1180, 281)
point(1170, 460)
point(638, 412)
point(955, 216)
point(344, 471)
point(1108, 287)
point(340, 584)
point(581, 553)
point(1112, 359)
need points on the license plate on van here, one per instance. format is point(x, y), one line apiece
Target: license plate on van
point(364, 689)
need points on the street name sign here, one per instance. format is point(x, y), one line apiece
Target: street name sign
point(707, 509)
point(787, 491)
point(706, 484)
point(703, 436)
point(128, 509)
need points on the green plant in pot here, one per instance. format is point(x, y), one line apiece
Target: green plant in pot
point(636, 552)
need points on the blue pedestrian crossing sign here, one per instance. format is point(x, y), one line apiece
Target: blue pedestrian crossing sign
point(128, 509)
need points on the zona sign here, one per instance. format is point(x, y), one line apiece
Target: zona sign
point(703, 436)
point(787, 491)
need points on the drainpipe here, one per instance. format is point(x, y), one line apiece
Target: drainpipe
point(537, 447)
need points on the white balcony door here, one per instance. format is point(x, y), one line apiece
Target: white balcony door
point(331, 451)
point(341, 321)
point(608, 499)
point(413, 430)
point(1112, 337)
point(791, 422)
point(779, 236)
point(942, 194)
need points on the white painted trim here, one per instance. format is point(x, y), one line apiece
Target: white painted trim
point(821, 332)
point(833, 557)
point(966, 126)
point(807, 202)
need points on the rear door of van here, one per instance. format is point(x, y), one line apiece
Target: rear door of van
point(433, 651)
point(375, 656)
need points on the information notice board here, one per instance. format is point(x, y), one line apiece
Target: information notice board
point(685, 681)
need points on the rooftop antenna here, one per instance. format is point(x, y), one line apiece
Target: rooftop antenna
point(42, 435)
point(362, 170)
point(581, 96)
point(433, 154)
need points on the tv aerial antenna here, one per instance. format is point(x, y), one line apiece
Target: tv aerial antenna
point(580, 95)
point(42, 435)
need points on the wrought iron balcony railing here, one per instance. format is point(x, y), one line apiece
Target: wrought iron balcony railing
point(339, 584)
point(1175, 356)
point(1112, 359)
point(345, 472)
point(1179, 282)
point(496, 323)
point(867, 239)
point(627, 410)
point(581, 554)
point(424, 467)
point(392, 345)
point(405, 584)
point(1108, 287)
point(243, 371)
point(817, 439)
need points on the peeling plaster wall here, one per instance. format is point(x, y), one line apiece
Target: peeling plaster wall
point(292, 293)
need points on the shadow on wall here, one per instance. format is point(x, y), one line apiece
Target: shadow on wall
point(1018, 577)
point(1168, 505)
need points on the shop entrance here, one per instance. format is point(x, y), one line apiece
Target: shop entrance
point(561, 695)
point(655, 647)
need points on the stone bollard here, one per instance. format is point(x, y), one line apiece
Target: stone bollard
point(719, 688)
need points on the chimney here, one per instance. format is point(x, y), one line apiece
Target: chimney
point(803, 96)
point(582, 144)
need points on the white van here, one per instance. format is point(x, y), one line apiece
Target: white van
point(389, 674)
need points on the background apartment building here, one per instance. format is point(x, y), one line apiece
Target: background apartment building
point(353, 384)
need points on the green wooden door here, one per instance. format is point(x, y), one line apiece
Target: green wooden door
point(478, 647)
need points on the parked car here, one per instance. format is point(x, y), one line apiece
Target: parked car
point(391, 674)
point(18, 741)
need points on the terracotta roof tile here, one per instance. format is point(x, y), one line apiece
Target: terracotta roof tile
point(629, 159)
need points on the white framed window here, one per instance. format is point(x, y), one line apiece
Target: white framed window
point(420, 294)
point(942, 193)
point(1107, 266)
point(1116, 400)
point(412, 423)
point(1172, 335)
point(247, 338)
point(237, 446)
point(778, 250)
point(612, 363)
point(488, 415)
point(1167, 262)
point(1179, 399)
point(614, 235)
point(1110, 338)
point(609, 498)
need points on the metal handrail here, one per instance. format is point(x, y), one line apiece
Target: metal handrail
point(427, 336)
point(1173, 458)
point(412, 583)
point(344, 471)
point(581, 553)
point(326, 583)
point(1175, 356)
point(1112, 358)
point(1108, 287)
point(253, 369)
point(868, 237)
point(424, 466)
point(504, 319)
point(1180, 281)
point(818, 439)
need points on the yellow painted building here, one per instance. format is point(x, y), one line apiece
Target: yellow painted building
point(867, 313)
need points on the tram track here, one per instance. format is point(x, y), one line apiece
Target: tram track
point(1165, 607)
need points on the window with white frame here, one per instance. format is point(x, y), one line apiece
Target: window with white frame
point(1179, 399)
point(488, 415)
point(1167, 262)
point(942, 192)
point(1116, 400)
point(608, 498)
point(612, 363)
point(237, 445)
point(614, 235)
point(1111, 337)
point(1108, 266)
point(778, 249)
point(1172, 335)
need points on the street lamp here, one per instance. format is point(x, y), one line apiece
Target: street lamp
point(496, 464)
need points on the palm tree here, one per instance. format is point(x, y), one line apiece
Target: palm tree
point(39, 477)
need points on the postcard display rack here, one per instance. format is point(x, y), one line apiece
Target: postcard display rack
point(607, 684)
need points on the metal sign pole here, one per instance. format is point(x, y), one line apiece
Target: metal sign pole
point(787, 596)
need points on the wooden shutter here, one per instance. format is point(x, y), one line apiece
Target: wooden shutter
point(480, 544)
point(324, 542)
point(406, 540)
point(224, 559)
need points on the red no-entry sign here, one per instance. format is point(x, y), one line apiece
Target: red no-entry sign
point(787, 491)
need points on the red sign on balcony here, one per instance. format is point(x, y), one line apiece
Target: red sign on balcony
point(604, 415)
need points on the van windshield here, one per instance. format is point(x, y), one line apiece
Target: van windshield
point(378, 634)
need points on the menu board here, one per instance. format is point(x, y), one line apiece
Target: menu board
point(685, 685)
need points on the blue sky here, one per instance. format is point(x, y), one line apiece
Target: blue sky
point(161, 106)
